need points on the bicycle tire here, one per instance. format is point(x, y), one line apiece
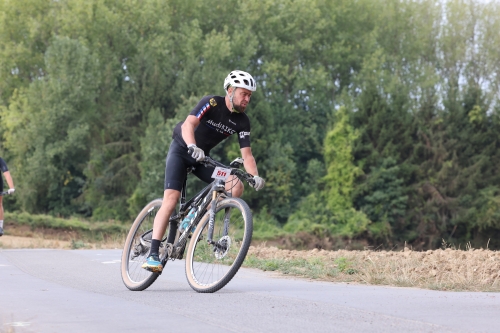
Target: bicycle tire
point(134, 276)
point(209, 270)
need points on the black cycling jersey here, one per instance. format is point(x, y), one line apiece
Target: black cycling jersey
point(3, 165)
point(217, 123)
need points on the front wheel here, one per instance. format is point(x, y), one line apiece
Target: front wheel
point(209, 267)
point(137, 246)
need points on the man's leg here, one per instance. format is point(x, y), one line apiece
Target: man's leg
point(170, 199)
point(235, 186)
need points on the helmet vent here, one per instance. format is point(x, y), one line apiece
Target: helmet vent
point(240, 79)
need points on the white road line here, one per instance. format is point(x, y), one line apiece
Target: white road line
point(18, 324)
point(112, 262)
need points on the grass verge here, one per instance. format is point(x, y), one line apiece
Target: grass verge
point(71, 233)
point(457, 270)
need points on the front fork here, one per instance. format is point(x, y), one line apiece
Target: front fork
point(218, 189)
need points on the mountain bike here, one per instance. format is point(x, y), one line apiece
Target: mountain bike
point(217, 238)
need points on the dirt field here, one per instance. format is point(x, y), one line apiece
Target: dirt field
point(18, 242)
point(448, 269)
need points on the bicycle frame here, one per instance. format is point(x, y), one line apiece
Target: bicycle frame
point(207, 196)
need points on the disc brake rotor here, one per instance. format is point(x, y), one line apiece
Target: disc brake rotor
point(223, 248)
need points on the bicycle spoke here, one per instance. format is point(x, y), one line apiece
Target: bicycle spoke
point(212, 262)
point(136, 273)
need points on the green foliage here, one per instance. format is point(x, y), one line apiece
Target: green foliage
point(155, 142)
point(47, 128)
point(334, 203)
point(382, 198)
point(266, 226)
point(341, 171)
point(91, 91)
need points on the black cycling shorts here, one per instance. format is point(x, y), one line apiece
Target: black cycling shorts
point(177, 163)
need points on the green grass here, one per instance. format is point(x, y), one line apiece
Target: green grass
point(313, 268)
point(97, 231)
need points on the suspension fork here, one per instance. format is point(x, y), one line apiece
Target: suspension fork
point(217, 189)
point(227, 214)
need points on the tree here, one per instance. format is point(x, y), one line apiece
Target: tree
point(48, 126)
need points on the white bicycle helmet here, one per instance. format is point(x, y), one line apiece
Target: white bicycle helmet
point(240, 79)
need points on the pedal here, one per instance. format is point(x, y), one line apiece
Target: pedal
point(168, 249)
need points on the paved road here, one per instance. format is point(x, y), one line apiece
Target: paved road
point(82, 291)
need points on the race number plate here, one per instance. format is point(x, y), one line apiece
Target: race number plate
point(221, 173)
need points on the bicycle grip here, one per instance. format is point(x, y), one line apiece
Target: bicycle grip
point(190, 150)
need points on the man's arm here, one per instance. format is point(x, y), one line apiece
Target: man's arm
point(249, 161)
point(188, 128)
point(8, 178)
point(251, 168)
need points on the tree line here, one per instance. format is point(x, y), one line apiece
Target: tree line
point(374, 120)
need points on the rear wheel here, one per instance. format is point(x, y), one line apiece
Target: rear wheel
point(209, 267)
point(137, 246)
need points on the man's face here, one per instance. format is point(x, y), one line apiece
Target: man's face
point(241, 99)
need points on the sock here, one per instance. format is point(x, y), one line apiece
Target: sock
point(155, 247)
point(1, 223)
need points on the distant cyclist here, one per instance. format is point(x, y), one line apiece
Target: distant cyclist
point(8, 177)
point(214, 119)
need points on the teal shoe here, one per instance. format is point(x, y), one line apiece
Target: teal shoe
point(153, 264)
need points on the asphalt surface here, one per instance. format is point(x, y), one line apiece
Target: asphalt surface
point(81, 291)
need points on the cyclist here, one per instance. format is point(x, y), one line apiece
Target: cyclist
point(213, 119)
point(8, 177)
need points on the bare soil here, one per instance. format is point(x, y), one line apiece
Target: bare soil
point(16, 242)
point(23, 237)
point(48, 233)
point(443, 269)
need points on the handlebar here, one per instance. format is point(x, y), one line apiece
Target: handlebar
point(234, 171)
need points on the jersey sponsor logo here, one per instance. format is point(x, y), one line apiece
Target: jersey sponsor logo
point(213, 102)
point(203, 110)
point(221, 128)
point(243, 134)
